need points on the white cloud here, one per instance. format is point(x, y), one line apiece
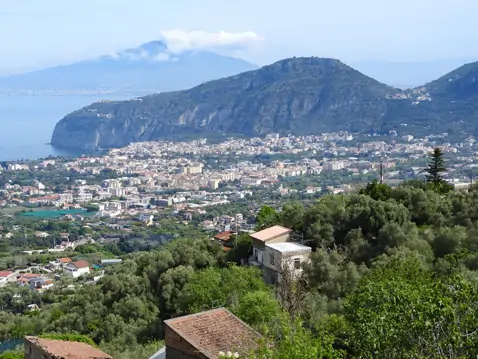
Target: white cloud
point(162, 57)
point(180, 40)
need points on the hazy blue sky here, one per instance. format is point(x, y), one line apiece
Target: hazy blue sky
point(37, 33)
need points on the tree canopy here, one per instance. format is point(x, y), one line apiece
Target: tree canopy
point(393, 274)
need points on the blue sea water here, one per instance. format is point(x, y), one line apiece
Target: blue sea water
point(27, 123)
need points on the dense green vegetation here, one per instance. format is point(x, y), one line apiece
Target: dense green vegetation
point(12, 354)
point(393, 275)
point(131, 235)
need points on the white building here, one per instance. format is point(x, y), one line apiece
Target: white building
point(111, 183)
point(334, 165)
point(78, 268)
point(108, 213)
point(84, 197)
point(250, 181)
point(275, 234)
point(193, 169)
point(66, 197)
point(117, 191)
point(145, 217)
point(274, 252)
point(17, 167)
point(39, 185)
point(286, 256)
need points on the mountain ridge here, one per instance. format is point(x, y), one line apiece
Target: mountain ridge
point(303, 95)
point(150, 67)
point(407, 74)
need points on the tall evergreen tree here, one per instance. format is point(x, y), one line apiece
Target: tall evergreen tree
point(436, 167)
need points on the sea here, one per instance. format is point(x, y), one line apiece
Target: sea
point(27, 123)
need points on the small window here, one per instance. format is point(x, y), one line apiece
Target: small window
point(297, 263)
point(272, 259)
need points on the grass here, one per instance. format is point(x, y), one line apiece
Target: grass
point(18, 209)
point(13, 210)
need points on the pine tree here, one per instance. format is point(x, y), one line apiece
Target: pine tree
point(436, 167)
point(434, 177)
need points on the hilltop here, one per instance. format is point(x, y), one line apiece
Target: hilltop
point(297, 95)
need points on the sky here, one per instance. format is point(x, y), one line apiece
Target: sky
point(40, 33)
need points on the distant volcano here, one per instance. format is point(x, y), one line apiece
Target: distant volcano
point(148, 68)
point(152, 51)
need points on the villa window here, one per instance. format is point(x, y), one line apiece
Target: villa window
point(297, 263)
point(272, 259)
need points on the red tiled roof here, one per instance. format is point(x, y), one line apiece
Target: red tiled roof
point(223, 236)
point(214, 331)
point(68, 350)
point(5, 273)
point(30, 275)
point(81, 264)
point(64, 260)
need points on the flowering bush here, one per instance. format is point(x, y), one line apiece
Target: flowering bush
point(228, 355)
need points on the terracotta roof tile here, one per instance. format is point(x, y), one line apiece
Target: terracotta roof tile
point(28, 276)
point(81, 264)
point(270, 233)
point(68, 350)
point(223, 236)
point(214, 331)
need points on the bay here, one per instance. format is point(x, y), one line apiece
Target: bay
point(27, 123)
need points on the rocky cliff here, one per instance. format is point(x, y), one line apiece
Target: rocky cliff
point(299, 96)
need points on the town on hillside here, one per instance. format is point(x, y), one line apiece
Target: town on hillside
point(159, 246)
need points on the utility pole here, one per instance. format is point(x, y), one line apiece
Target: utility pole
point(381, 172)
point(235, 228)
